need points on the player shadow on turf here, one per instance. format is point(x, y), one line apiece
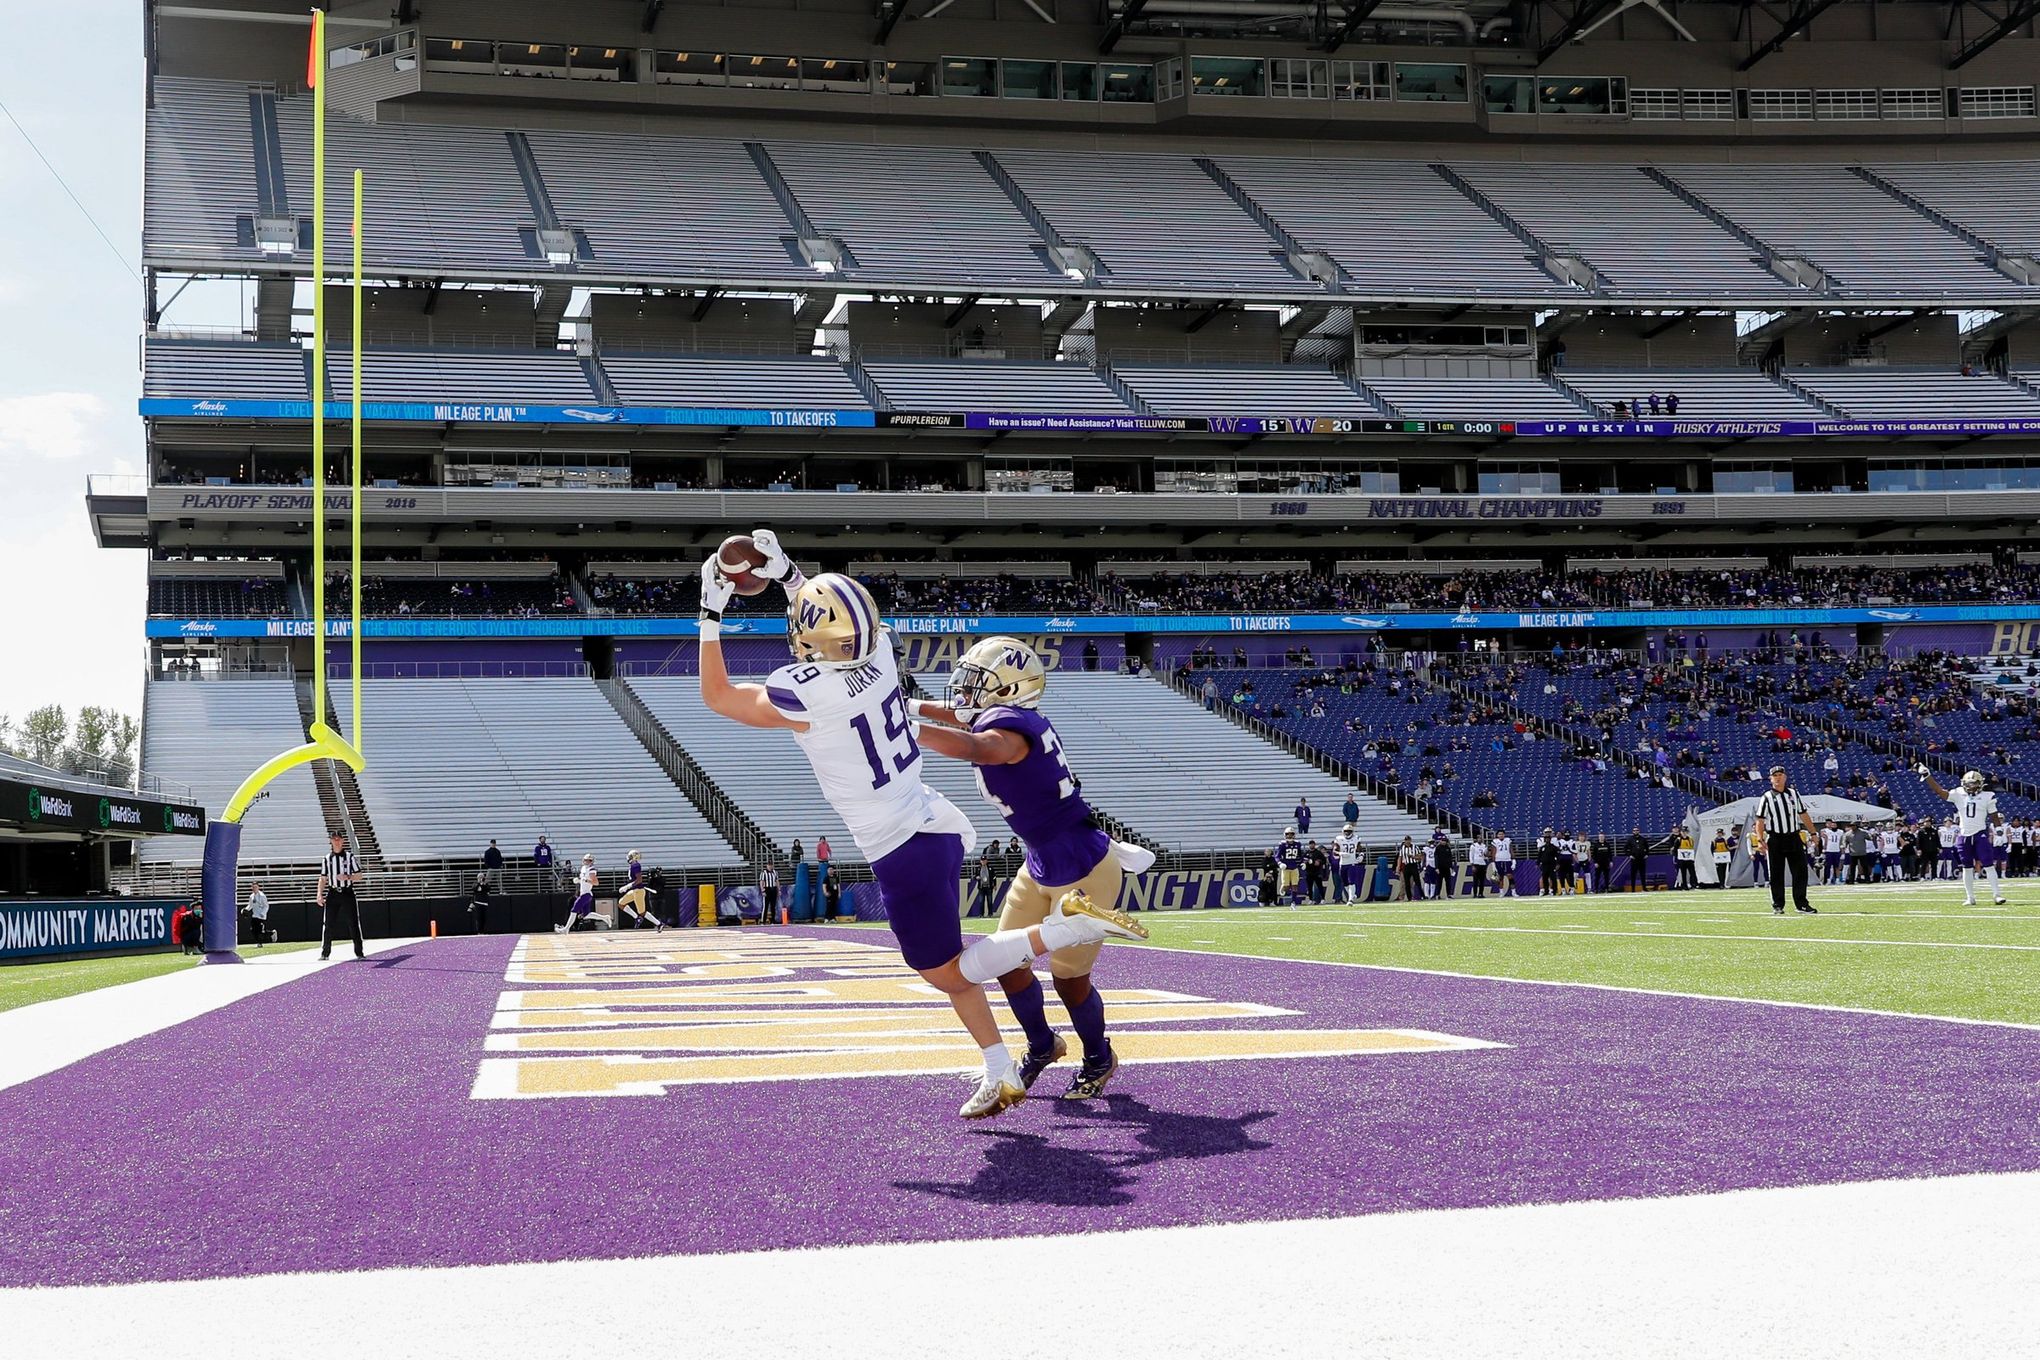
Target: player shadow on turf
point(1029, 1168)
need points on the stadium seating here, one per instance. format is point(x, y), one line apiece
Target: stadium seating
point(993, 385)
point(1994, 199)
point(913, 213)
point(767, 775)
point(1865, 240)
point(1704, 394)
point(1472, 398)
point(1365, 215)
point(1636, 232)
point(665, 206)
point(202, 370)
point(453, 763)
point(210, 598)
point(750, 381)
point(439, 375)
point(199, 172)
point(1152, 220)
point(438, 196)
point(1916, 394)
point(1536, 783)
point(1191, 780)
point(1266, 390)
point(210, 734)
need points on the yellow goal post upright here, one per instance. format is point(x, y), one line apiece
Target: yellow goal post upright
point(219, 888)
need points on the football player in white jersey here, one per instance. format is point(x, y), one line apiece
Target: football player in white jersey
point(1975, 812)
point(1351, 859)
point(842, 700)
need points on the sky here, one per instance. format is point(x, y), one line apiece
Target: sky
point(70, 324)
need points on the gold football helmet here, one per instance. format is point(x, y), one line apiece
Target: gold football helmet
point(832, 621)
point(995, 671)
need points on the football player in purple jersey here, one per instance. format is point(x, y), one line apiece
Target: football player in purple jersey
point(990, 721)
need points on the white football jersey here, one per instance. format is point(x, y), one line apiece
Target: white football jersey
point(1345, 848)
point(1477, 853)
point(861, 744)
point(1505, 850)
point(2000, 835)
point(1887, 842)
point(1947, 834)
point(1973, 810)
point(588, 878)
point(1831, 842)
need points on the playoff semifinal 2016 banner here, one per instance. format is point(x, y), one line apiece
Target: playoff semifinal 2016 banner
point(85, 926)
point(1074, 422)
point(769, 625)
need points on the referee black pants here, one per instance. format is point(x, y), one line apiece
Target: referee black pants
point(1788, 855)
point(341, 911)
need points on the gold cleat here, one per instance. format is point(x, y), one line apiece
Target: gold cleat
point(1076, 903)
point(993, 1096)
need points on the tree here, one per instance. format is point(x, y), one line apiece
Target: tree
point(105, 741)
point(7, 735)
point(43, 732)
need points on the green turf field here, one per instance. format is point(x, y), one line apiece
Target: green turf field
point(24, 984)
point(1912, 948)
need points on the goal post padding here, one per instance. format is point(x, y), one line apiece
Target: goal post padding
point(219, 889)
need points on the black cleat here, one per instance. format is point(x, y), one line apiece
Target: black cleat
point(1093, 1077)
point(1034, 1064)
point(1806, 911)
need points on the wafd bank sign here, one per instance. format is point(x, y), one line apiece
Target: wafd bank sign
point(87, 926)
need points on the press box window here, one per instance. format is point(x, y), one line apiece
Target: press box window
point(970, 77)
point(832, 75)
point(1583, 95)
point(1228, 76)
point(1507, 94)
point(1027, 79)
point(1430, 83)
point(688, 68)
point(764, 73)
point(1129, 84)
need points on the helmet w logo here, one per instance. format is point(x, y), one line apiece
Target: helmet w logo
point(811, 614)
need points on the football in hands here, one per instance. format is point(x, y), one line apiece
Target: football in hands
point(738, 559)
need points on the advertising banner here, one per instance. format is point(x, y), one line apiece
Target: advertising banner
point(46, 808)
point(85, 926)
point(965, 626)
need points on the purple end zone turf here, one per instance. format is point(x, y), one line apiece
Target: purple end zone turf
point(328, 1125)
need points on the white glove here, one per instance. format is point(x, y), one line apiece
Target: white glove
point(777, 565)
point(921, 708)
point(1922, 770)
point(716, 590)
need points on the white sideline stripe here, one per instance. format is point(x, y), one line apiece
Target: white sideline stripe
point(1668, 935)
point(1760, 906)
point(39, 1039)
point(1916, 1268)
point(1594, 986)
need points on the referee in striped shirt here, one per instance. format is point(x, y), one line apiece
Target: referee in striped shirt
point(336, 896)
point(1783, 810)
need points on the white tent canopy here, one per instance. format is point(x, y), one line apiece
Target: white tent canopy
point(1735, 818)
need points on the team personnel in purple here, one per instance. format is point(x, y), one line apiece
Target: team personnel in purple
point(541, 855)
point(991, 721)
point(843, 702)
point(1289, 867)
point(1303, 815)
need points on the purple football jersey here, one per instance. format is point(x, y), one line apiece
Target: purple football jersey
point(1038, 797)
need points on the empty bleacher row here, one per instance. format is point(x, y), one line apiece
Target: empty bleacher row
point(209, 735)
point(202, 370)
point(1179, 777)
point(483, 202)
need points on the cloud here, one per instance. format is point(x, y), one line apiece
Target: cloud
point(53, 425)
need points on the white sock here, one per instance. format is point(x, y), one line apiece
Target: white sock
point(997, 1060)
point(1995, 890)
point(998, 953)
point(1969, 884)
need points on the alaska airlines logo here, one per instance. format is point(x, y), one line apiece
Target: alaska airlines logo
point(599, 417)
point(209, 408)
point(1063, 624)
point(198, 628)
point(631, 1018)
point(1356, 621)
point(1464, 619)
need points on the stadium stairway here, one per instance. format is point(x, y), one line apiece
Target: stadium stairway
point(339, 792)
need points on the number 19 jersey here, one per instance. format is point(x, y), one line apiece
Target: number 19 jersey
point(863, 751)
